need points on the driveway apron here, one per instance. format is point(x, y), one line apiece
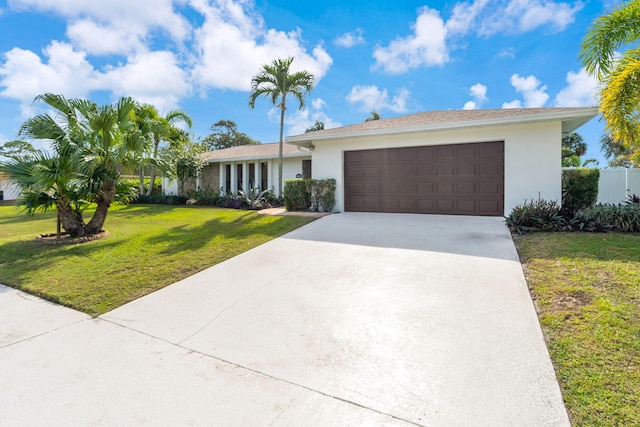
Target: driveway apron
point(354, 319)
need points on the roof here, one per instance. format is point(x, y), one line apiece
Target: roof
point(571, 118)
point(253, 152)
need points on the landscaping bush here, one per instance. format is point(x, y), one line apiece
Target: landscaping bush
point(317, 194)
point(579, 189)
point(161, 200)
point(207, 197)
point(324, 194)
point(297, 194)
point(602, 218)
point(539, 215)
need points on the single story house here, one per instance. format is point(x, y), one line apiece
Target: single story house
point(9, 191)
point(463, 162)
point(246, 167)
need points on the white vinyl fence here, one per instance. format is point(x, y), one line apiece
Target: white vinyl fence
point(617, 184)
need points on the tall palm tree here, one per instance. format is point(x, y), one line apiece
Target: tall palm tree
point(619, 74)
point(275, 82)
point(89, 143)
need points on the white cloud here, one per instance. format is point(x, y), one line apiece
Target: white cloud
point(134, 16)
point(98, 39)
point(464, 15)
point(298, 121)
point(153, 78)
point(372, 98)
point(532, 90)
point(580, 91)
point(520, 16)
point(479, 94)
point(509, 52)
point(233, 44)
point(24, 75)
point(425, 47)
point(349, 40)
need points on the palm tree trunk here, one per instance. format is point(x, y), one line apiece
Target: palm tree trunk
point(153, 170)
point(70, 220)
point(282, 108)
point(104, 201)
point(141, 180)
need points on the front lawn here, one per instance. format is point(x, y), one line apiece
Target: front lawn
point(149, 247)
point(587, 291)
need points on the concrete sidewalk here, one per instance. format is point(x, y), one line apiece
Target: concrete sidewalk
point(354, 319)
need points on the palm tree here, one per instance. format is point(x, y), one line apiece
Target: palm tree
point(275, 82)
point(619, 74)
point(89, 144)
point(158, 129)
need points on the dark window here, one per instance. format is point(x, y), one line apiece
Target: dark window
point(239, 176)
point(227, 178)
point(306, 169)
point(264, 176)
point(252, 176)
point(1, 195)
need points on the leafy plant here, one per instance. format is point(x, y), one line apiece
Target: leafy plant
point(633, 199)
point(254, 198)
point(538, 215)
point(579, 189)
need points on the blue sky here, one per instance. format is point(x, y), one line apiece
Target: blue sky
point(393, 57)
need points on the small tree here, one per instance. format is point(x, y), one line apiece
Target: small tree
point(225, 135)
point(374, 116)
point(188, 163)
point(317, 126)
point(619, 154)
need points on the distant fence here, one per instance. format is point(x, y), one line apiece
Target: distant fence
point(617, 184)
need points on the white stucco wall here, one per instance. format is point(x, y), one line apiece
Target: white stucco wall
point(10, 191)
point(532, 157)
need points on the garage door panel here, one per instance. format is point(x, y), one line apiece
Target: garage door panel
point(463, 179)
point(467, 206)
point(466, 188)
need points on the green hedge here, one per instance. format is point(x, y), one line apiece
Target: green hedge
point(305, 194)
point(161, 200)
point(579, 189)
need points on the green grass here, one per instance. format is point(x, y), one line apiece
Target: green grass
point(149, 247)
point(587, 291)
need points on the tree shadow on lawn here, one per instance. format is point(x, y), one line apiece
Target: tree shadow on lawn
point(19, 258)
point(185, 238)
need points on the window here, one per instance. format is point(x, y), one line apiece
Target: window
point(239, 176)
point(1, 195)
point(264, 176)
point(252, 176)
point(227, 179)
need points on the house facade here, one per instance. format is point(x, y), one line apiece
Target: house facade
point(246, 167)
point(9, 192)
point(460, 162)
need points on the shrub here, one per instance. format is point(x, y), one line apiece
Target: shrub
point(161, 200)
point(207, 197)
point(302, 194)
point(601, 218)
point(539, 215)
point(297, 194)
point(579, 189)
point(324, 194)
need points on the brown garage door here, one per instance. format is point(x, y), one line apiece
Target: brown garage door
point(461, 179)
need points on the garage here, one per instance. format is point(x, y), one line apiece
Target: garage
point(455, 179)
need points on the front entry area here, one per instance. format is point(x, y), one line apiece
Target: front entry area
point(458, 179)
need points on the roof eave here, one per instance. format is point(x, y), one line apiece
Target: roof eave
point(573, 120)
point(249, 158)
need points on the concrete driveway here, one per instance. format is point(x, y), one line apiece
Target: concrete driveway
point(354, 319)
